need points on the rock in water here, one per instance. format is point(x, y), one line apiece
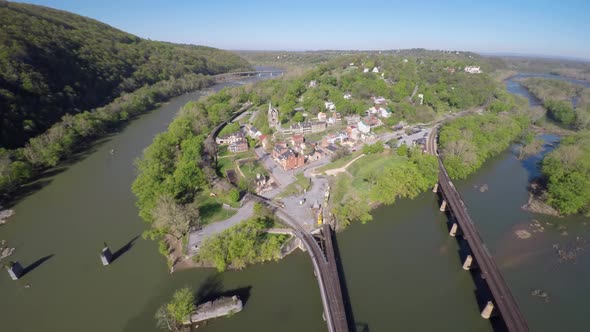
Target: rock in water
point(5, 214)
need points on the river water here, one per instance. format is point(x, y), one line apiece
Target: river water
point(402, 270)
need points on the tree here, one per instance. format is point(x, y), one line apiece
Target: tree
point(298, 117)
point(173, 314)
point(175, 219)
point(234, 195)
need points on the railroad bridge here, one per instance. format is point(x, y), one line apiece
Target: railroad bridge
point(321, 248)
point(236, 75)
point(499, 301)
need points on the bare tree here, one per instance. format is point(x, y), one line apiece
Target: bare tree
point(176, 218)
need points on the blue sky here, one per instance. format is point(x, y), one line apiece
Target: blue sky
point(556, 28)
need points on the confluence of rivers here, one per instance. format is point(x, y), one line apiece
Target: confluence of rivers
point(402, 270)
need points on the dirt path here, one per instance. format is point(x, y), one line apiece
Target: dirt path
point(342, 169)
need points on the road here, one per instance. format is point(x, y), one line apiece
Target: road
point(196, 238)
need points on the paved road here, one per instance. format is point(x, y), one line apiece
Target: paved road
point(196, 238)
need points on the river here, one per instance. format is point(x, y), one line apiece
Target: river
point(402, 270)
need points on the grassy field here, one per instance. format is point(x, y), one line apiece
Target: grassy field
point(211, 209)
point(226, 162)
point(340, 162)
point(361, 173)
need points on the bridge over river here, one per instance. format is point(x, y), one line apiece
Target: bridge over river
point(500, 301)
point(320, 247)
point(236, 75)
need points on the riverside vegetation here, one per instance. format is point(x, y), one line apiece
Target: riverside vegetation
point(566, 170)
point(67, 79)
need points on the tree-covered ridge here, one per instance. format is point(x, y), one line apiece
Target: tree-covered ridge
point(54, 63)
point(467, 142)
point(567, 170)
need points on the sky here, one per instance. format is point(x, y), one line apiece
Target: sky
point(539, 27)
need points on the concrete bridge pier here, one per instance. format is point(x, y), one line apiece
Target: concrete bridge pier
point(468, 263)
point(106, 256)
point(488, 310)
point(443, 206)
point(435, 189)
point(454, 229)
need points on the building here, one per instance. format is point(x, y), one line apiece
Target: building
point(353, 133)
point(229, 139)
point(238, 146)
point(254, 132)
point(273, 116)
point(318, 126)
point(379, 111)
point(290, 159)
point(368, 122)
point(352, 119)
point(264, 141)
point(279, 149)
point(313, 84)
point(366, 70)
point(363, 127)
point(322, 116)
point(375, 70)
point(472, 70)
point(329, 105)
point(347, 96)
point(297, 139)
point(379, 100)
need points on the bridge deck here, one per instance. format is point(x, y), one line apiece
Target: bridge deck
point(325, 268)
point(503, 299)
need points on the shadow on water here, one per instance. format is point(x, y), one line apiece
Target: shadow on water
point(212, 289)
point(352, 325)
point(36, 264)
point(44, 176)
point(124, 248)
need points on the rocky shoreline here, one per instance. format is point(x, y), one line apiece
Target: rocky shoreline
point(537, 198)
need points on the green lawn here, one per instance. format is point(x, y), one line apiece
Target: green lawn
point(361, 173)
point(340, 162)
point(211, 209)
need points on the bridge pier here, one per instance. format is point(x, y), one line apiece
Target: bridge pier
point(454, 229)
point(488, 310)
point(435, 189)
point(443, 206)
point(468, 263)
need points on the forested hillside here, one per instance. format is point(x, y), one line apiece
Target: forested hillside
point(54, 63)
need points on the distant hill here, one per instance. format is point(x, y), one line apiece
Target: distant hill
point(53, 62)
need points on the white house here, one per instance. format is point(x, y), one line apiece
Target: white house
point(322, 116)
point(329, 105)
point(472, 70)
point(384, 112)
point(366, 70)
point(375, 70)
point(347, 96)
point(313, 84)
point(363, 127)
point(379, 100)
